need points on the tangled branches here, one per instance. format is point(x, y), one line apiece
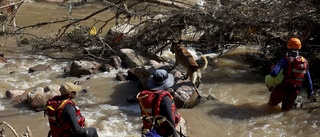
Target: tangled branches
point(8, 13)
point(223, 22)
point(208, 25)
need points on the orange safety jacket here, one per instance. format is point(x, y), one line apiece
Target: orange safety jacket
point(295, 73)
point(54, 110)
point(149, 102)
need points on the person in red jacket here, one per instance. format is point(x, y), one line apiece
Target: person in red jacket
point(64, 115)
point(158, 110)
point(295, 70)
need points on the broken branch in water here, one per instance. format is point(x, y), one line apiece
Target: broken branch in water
point(6, 125)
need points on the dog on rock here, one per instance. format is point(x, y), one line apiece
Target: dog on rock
point(183, 57)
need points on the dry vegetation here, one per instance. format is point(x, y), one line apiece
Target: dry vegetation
point(268, 23)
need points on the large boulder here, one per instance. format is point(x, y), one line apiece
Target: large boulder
point(38, 97)
point(39, 67)
point(79, 68)
point(119, 34)
point(115, 61)
point(132, 58)
point(186, 95)
point(14, 93)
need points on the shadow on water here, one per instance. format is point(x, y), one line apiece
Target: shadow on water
point(244, 111)
point(230, 68)
point(123, 91)
point(230, 75)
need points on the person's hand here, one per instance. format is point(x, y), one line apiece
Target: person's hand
point(270, 88)
point(312, 98)
point(272, 66)
point(91, 132)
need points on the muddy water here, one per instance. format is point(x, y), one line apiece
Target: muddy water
point(240, 111)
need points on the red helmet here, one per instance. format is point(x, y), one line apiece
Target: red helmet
point(294, 43)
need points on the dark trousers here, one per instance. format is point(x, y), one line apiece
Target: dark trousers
point(284, 95)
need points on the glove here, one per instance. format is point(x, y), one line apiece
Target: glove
point(270, 88)
point(312, 98)
point(91, 132)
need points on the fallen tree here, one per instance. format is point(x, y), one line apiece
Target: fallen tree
point(209, 26)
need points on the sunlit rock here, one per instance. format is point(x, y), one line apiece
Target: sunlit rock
point(39, 67)
point(14, 93)
point(119, 34)
point(132, 58)
point(3, 59)
point(79, 68)
point(121, 76)
point(116, 62)
point(106, 68)
point(38, 97)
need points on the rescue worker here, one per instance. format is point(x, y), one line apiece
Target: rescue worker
point(159, 113)
point(64, 116)
point(295, 70)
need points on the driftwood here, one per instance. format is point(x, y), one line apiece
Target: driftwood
point(5, 125)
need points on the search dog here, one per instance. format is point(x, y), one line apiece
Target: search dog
point(183, 57)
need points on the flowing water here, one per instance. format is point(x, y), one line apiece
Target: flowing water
point(240, 111)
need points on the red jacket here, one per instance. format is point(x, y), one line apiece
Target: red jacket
point(149, 102)
point(54, 110)
point(296, 71)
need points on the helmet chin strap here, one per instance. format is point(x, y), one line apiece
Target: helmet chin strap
point(294, 52)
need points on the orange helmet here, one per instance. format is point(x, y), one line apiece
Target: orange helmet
point(294, 43)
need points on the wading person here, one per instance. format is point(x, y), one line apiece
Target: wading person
point(159, 113)
point(295, 70)
point(64, 116)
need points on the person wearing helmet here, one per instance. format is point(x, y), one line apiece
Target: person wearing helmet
point(295, 70)
point(64, 115)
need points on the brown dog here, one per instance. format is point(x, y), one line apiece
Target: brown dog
point(183, 57)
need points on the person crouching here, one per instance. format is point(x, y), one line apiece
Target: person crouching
point(64, 116)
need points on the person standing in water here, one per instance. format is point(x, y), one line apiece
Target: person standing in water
point(295, 70)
